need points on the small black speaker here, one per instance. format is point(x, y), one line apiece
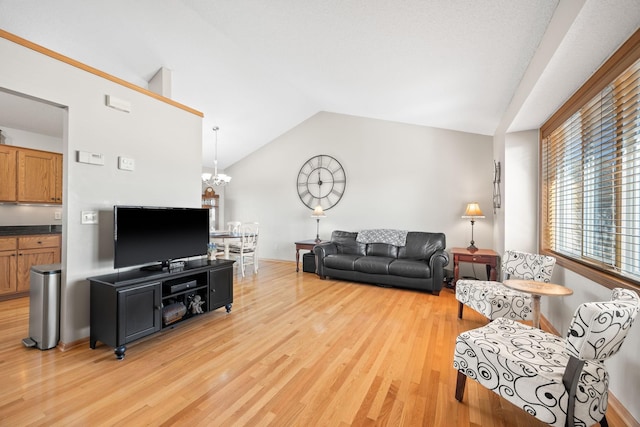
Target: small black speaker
point(309, 262)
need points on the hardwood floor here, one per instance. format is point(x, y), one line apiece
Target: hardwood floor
point(294, 351)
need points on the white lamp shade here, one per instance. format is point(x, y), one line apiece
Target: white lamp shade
point(318, 212)
point(473, 211)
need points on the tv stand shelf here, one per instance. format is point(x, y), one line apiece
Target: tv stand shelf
point(130, 305)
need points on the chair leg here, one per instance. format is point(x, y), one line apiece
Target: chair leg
point(460, 383)
point(460, 307)
point(570, 382)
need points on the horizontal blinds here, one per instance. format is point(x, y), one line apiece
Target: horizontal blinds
point(591, 177)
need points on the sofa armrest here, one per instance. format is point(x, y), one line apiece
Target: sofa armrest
point(438, 261)
point(321, 250)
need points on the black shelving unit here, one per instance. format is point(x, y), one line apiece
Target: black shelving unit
point(127, 306)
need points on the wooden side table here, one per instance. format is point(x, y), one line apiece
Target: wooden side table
point(304, 245)
point(488, 257)
point(537, 289)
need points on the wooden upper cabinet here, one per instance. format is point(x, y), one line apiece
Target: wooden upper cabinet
point(8, 176)
point(39, 176)
point(58, 179)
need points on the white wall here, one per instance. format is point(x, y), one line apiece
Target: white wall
point(11, 214)
point(521, 210)
point(520, 171)
point(398, 176)
point(499, 215)
point(164, 141)
point(37, 141)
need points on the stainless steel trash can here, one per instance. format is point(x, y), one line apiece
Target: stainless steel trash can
point(44, 307)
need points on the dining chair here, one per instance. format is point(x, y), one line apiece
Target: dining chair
point(493, 300)
point(234, 226)
point(246, 251)
point(562, 382)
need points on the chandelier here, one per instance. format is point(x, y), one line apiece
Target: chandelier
point(215, 179)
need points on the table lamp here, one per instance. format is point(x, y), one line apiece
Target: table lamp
point(473, 211)
point(317, 214)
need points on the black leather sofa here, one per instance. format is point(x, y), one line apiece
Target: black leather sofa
point(419, 264)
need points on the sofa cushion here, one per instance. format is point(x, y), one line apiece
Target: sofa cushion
point(373, 264)
point(421, 245)
point(382, 249)
point(341, 261)
point(406, 268)
point(345, 242)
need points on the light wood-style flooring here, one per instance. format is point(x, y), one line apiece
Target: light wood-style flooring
point(294, 351)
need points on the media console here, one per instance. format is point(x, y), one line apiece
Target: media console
point(127, 306)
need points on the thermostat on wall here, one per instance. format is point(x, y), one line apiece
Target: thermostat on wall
point(90, 158)
point(117, 103)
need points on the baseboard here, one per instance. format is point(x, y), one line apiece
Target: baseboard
point(277, 260)
point(545, 325)
point(614, 404)
point(64, 346)
point(14, 296)
point(621, 411)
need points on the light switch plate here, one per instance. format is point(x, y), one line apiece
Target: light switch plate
point(89, 217)
point(126, 163)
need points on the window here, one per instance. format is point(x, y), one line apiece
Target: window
point(590, 173)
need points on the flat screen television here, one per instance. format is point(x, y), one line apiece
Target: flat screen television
point(146, 235)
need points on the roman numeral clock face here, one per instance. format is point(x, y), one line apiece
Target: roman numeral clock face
point(321, 181)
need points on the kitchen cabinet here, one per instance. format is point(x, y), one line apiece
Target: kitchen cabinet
point(18, 254)
point(8, 265)
point(8, 176)
point(39, 176)
point(30, 176)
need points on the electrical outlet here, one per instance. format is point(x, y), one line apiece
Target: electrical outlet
point(126, 163)
point(89, 217)
point(57, 215)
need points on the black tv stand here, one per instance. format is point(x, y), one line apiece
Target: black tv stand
point(127, 306)
point(168, 265)
point(154, 267)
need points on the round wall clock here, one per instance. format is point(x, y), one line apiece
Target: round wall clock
point(321, 181)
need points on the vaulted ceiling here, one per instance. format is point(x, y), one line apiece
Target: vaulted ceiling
point(258, 68)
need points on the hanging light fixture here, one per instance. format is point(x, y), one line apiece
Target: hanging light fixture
point(215, 179)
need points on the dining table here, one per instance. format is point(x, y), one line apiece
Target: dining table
point(226, 236)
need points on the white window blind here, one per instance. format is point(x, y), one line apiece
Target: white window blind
point(591, 180)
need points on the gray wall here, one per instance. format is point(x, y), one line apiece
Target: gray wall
point(398, 176)
point(164, 141)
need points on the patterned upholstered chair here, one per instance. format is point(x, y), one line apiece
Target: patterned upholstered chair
point(493, 299)
point(562, 382)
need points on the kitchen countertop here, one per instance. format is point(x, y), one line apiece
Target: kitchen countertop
point(22, 230)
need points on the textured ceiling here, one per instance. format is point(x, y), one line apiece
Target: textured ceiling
point(258, 68)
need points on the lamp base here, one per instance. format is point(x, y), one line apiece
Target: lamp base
point(317, 230)
point(472, 247)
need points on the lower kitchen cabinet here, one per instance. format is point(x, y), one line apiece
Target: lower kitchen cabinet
point(18, 254)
